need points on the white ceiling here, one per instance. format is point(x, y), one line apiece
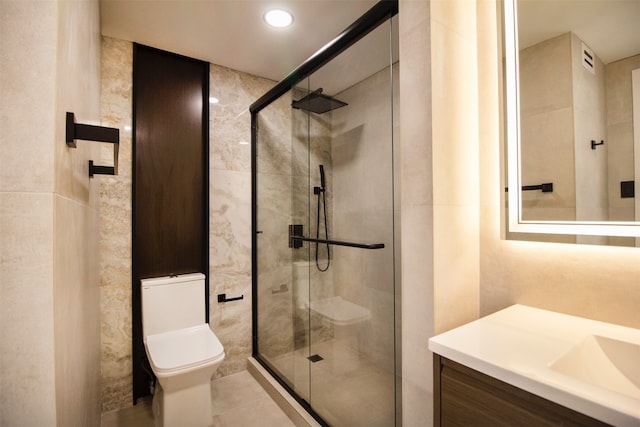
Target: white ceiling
point(611, 28)
point(232, 33)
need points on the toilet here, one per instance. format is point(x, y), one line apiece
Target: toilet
point(182, 350)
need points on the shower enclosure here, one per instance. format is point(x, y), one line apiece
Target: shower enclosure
point(325, 279)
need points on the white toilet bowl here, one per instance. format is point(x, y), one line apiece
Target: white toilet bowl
point(182, 350)
point(183, 362)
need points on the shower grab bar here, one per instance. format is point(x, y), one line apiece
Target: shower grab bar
point(296, 239)
point(334, 242)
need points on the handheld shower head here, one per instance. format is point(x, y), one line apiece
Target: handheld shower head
point(322, 187)
point(322, 181)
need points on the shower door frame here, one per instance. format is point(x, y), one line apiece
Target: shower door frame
point(373, 18)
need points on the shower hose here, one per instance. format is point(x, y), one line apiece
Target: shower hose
point(322, 200)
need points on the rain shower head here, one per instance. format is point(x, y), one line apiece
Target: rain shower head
point(317, 103)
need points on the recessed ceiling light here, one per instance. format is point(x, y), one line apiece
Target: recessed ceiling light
point(213, 100)
point(278, 18)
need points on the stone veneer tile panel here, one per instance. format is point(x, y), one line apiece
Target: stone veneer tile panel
point(230, 118)
point(116, 228)
point(230, 265)
point(230, 210)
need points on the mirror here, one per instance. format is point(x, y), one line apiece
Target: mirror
point(572, 95)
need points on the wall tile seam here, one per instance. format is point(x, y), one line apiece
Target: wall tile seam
point(74, 201)
point(467, 33)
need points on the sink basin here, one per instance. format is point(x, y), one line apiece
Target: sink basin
point(603, 362)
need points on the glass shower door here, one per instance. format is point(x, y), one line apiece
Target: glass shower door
point(325, 317)
point(280, 325)
point(351, 203)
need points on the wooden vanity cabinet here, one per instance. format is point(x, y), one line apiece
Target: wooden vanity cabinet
point(465, 397)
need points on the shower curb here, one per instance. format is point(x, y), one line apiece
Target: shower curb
point(288, 404)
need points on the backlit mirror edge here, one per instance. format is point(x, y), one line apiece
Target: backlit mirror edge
point(512, 116)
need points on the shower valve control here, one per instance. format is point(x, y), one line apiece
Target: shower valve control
point(295, 230)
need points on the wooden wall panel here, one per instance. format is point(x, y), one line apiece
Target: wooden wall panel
point(170, 177)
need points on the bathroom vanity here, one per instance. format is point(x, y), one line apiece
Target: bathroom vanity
point(526, 366)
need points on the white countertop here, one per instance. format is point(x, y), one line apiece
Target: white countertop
point(517, 345)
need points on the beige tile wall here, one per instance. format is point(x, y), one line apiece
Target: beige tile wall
point(26, 212)
point(75, 250)
point(416, 169)
point(49, 369)
point(562, 110)
point(595, 282)
point(589, 123)
point(620, 139)
point(455, 161)
point(591, 281)
point(547, 132)
point(440, 195)
point(362, 195)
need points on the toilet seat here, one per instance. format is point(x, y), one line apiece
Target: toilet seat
point(174, 351)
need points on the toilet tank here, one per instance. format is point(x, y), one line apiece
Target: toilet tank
point(172, 302)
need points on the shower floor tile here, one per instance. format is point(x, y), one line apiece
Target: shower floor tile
point(345, 387)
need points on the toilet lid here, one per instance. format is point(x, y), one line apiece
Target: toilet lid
point(170, 351)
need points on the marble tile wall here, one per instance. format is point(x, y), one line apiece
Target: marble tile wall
point(230, 203)
point(115, 228)
point(277, 173)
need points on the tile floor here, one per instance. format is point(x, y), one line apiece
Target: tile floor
point(346, 388)
point(237, 401)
